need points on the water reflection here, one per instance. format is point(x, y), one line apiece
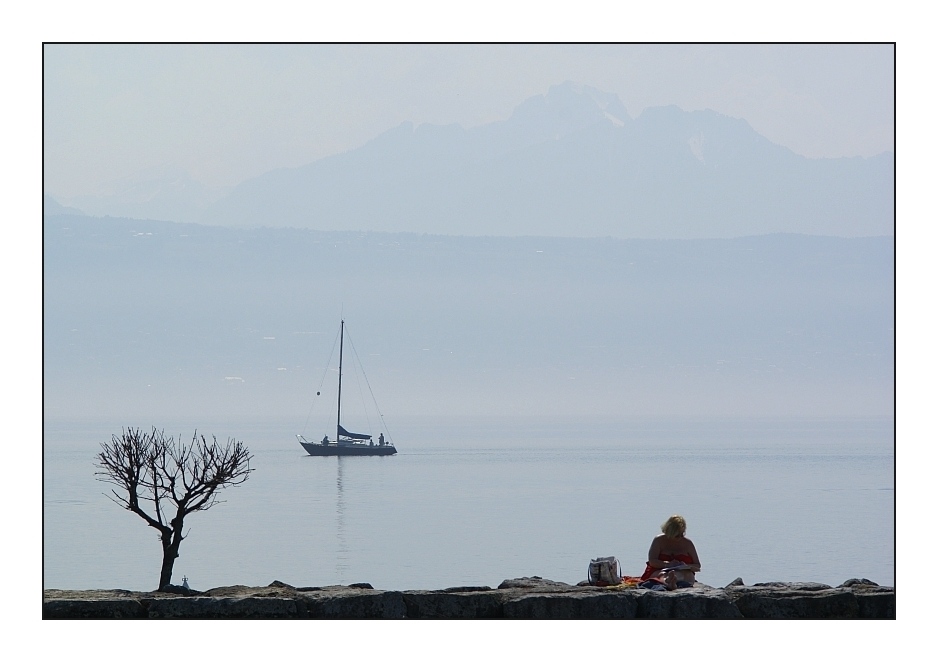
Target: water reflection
point(342, 552)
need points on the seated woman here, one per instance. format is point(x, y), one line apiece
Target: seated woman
point(672, 558)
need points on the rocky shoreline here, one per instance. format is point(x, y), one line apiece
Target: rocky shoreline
point(526, 597)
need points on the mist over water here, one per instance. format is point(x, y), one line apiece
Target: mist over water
point(552, 400)
point(154, 320)
point(473, 501)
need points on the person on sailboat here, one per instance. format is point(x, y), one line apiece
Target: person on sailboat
point(381, 439)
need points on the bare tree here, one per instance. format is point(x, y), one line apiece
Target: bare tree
point(162, 481)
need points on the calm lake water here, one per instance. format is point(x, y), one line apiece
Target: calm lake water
point(477, 501)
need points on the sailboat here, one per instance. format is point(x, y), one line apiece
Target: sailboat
point(345, 442)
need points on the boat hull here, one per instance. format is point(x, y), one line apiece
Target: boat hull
point(326, 450)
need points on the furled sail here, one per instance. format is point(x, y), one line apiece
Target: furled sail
point(352, 435)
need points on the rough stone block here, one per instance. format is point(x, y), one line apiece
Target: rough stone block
point(777, 602)
point(693, 603)
point(111, 609)
point(233, 608)
point(354, 604)
point(878, 602)
point(451, 604)
point(574, 605)
point(527, 597)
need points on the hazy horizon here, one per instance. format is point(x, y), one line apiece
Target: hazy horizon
point(152, 319)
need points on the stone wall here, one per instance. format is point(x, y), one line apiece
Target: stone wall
point(527, 597)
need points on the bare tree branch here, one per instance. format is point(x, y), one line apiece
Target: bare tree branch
point(154, 471)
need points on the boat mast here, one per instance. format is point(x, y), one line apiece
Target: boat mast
point(338, 415)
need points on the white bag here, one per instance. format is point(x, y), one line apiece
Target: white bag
point(604, 571)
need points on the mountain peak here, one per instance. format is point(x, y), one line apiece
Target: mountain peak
point(570, 94)
point(570, 106)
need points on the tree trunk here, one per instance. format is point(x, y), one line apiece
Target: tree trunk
point(166, 571)
point(171, 544)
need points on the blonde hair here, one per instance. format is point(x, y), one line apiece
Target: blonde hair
point(674, 526)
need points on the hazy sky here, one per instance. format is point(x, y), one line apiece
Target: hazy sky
point(229, 112)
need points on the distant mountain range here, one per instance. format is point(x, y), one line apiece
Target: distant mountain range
point(568, 163)
point(51, 207)
point(162, 193)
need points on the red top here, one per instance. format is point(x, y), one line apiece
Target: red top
point(664, 556)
